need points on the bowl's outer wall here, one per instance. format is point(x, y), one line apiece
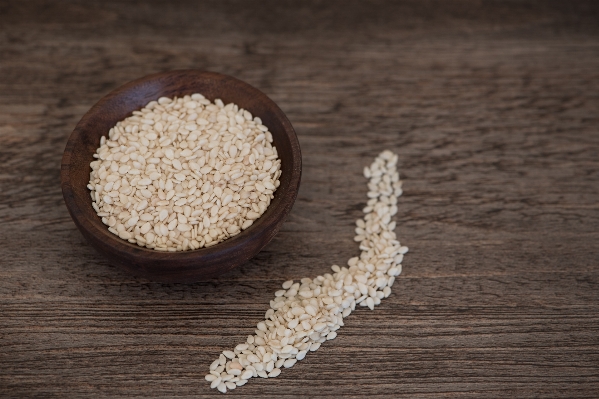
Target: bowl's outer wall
point(188, 266)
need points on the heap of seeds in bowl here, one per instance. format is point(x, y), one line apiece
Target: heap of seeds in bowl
point(184, 173)
point(305, 314)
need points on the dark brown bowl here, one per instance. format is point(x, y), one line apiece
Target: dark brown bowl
point(188, 266)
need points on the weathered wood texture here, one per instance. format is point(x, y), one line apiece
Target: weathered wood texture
point(493, 108)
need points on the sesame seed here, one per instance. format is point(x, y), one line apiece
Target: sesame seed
point(215, 382)
point(222, 387)
point(274, 373)
point(306, 314)
point(153, 167)
point(246, 375)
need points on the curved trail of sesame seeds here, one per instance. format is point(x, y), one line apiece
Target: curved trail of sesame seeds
point(305, 314)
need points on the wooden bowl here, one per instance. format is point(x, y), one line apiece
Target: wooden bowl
point(185, 266)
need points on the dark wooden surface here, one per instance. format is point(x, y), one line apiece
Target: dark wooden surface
point(493, 108)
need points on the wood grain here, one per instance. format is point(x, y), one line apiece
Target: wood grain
point(492, 108)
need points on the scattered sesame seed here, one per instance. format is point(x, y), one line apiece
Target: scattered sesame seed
point(304, 315)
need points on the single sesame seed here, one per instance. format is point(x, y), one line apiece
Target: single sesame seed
point(222, 387)
point(274, 373)
point(215, 382)
point(246, 375)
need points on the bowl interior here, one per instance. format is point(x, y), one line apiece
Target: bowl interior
point(187, 265)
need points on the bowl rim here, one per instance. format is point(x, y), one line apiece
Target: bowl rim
point(269, 221)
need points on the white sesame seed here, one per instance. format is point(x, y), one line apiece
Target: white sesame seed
point(314, 346)
point(274, 373)
point(297, 311)
point(304, 315)
point(253, 358)
point(246, 375)
point(287, 284)
point(310, 310)
point(216, 382)
point(293, 323)
point(125, 235)
point(197, 170)
point(301, 355)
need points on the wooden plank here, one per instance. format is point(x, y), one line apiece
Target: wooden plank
point(492, 108)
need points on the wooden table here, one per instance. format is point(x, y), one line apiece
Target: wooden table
point(493, 109)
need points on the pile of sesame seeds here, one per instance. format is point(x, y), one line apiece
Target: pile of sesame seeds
point(184, 173)
point(305, 314)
